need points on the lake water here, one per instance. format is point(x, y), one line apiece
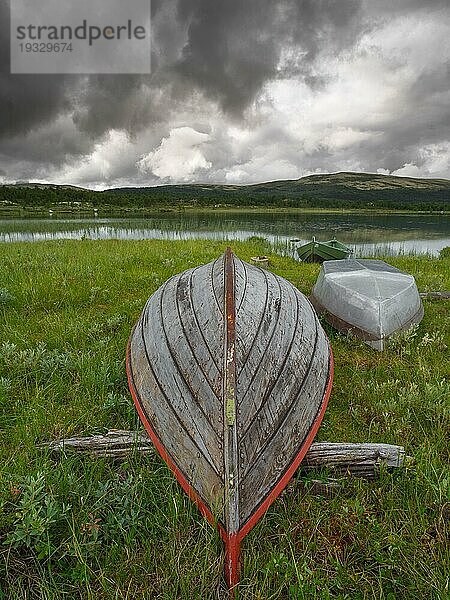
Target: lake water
point(368, 235)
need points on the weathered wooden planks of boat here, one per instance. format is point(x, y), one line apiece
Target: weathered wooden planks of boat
point(368, 298)
point(230, 372)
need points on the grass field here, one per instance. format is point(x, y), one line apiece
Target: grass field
point(80, 528)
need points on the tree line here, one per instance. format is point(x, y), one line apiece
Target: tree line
point(193, 196)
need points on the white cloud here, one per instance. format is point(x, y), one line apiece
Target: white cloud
point(408, 170)
point(413, 41)
point(262, 169)
point(101, 165)
point(435, 162)
point(179, 157)
point(436, 159)
point(345, 137)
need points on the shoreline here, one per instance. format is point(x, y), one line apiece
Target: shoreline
point(134, 212)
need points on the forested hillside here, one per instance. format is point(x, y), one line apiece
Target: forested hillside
point(341, 190)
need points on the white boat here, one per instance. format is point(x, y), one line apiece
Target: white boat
point(367, 298)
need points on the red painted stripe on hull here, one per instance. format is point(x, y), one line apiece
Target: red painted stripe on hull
point(163, 453)
point(232, 562)
point(276, 491)
point(232, 542)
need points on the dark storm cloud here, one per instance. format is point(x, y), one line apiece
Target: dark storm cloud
point(57, 141)
point(219, 53)
point(25, 100)
point(227, 50)
point(234, 47)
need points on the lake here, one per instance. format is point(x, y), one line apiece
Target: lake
point(368, 235)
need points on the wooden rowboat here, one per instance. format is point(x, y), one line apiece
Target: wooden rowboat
point(367, 298)
point(230, 372)
point(316, 251)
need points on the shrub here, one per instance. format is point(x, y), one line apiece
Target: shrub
point(36, 517)
point(6, 297)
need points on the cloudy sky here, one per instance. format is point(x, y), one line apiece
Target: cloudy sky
point(244, 91)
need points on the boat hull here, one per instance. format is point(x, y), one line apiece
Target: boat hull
point(230, 372)
point(367, 298)
point(315, 251)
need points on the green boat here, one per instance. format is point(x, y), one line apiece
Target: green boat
point(316, 251)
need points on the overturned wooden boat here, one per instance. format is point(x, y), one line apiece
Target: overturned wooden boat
point(316, 251)
point(230, 372)
point(367, 298)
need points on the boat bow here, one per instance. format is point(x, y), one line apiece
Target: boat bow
point(230, 372)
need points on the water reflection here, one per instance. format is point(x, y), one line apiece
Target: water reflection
point(367, 235)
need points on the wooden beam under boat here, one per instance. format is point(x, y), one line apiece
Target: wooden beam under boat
point(354, 459)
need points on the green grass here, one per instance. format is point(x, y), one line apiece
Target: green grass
point(81, 528)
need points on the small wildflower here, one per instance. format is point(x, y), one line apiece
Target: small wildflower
point(92, 526)
point(15, 491)
point(436, 339)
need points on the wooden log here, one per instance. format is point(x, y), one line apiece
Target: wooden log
point(116, 443)
point(359, 460)
point(435, 294)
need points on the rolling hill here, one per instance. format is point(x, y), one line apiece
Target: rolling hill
point(344, 190)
